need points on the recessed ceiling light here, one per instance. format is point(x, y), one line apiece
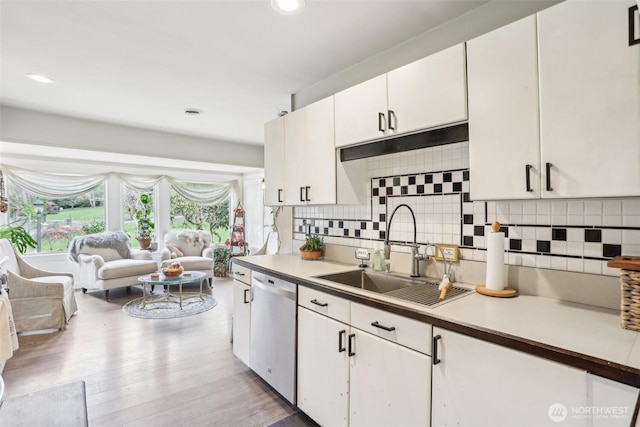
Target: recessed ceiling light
point(40, 78)
point(192, 111)
point(288, 7)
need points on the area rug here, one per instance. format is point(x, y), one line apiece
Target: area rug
point(62, 405)
point(154, 309)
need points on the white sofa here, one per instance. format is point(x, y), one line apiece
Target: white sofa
point(191, 248)
point(106, 261)
point(39, 299)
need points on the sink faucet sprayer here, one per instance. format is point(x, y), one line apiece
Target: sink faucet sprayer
point(446, 271)
point(415, 256)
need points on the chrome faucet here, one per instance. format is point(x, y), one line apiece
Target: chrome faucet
point(416, 257)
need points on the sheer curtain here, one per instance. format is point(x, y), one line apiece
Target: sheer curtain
point(203, 194)
point(54, 186)
point(60, 186)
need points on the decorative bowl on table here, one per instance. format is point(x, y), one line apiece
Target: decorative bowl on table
point(171, 273)
point(174, 270)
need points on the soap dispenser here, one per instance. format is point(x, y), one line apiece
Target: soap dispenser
point(377, 260)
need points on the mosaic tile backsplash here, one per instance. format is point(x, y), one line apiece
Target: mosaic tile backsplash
point(572, 235)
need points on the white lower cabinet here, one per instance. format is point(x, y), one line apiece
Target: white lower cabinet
point(476, 383)
point(389, 384)
point(241, 319)
point(609, 403)
point(349, 377)
point(323, 368)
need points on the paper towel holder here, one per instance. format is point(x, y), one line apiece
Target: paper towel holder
point(504, 293)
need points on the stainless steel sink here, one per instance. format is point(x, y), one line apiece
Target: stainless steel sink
point(421, 291)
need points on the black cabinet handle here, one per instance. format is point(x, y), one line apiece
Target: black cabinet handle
point(271, 281)
point(386, 328)
point(245, 296)
point(381, 122)
point(548, 166)
point(306, 194)
point(435, 349)
point(391, 115)
point(279, 195)
point(352, 344)
point(301, 190)
point(632, 24)
point(237, 273)
point(341, 335)
point(321, 304)
point(528, 176)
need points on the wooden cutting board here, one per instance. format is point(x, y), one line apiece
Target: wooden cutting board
point(626, 262)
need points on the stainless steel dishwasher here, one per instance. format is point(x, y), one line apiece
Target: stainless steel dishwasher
point(273, 333)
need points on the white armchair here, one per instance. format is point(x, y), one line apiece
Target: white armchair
point(191, 248)
point(39, 299)
point(107, 261)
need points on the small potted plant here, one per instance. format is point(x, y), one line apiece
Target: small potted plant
point(312, 248)
point(145, 225)
point(221, 257)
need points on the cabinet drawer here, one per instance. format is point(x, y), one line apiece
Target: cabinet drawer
point(402, 330)
point(323, 303)
point(241, 273)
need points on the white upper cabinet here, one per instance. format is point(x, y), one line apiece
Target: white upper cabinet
point(428, 93)
point(424, 94)
point(504, 149)
point(310, 162)
point(274, 178)
point(589, 97)
point(361, 112)
point(555, 113)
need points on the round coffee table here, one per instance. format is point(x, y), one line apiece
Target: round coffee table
point(167, 282)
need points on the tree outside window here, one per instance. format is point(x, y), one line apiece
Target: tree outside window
point(188, 215)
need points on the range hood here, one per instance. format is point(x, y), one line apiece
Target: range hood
point(414, 141)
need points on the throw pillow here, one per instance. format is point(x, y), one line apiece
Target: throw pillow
point(175, 251)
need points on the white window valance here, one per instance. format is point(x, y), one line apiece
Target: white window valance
point(53, 186)
point(203, 194)
point(58, 186)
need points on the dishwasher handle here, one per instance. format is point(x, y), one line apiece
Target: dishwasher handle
point(273, 289)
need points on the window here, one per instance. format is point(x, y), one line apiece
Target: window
point(61, 219)
point(188, 215)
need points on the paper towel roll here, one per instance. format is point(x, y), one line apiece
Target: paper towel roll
point(495, 261)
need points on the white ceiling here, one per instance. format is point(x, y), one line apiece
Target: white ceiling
point(141, 63)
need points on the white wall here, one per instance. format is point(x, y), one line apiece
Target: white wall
point(51, 130)
point(254, 210)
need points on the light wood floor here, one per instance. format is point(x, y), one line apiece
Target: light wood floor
point(148, 372)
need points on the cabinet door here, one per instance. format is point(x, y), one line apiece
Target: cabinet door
point(358, 112)
point(614, 402)
point(429, 92)
point(504, 146)
point(323, 368)
point(274, 162)
point(481, 384)
point(310, 155)
point(589, 99)
point(241, 320)
point(389, 384)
